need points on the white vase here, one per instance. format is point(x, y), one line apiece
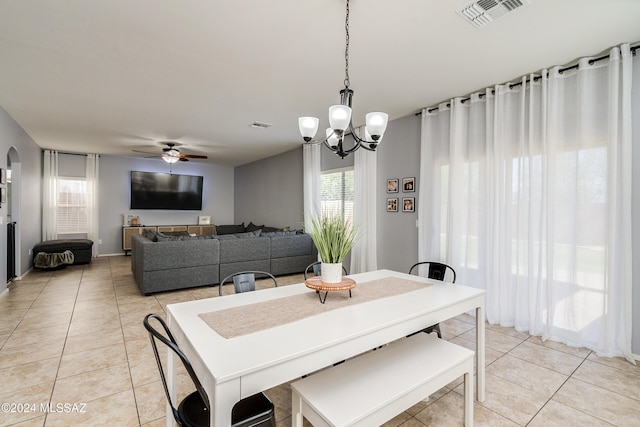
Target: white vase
point(331, 272)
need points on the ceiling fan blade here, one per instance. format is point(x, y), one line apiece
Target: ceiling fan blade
point(193, 156)
point(184, 159)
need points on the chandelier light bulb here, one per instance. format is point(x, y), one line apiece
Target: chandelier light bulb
point(376, 124)
point(308, 127)
point(332, 139)
point(339, 117)
point(369, 139)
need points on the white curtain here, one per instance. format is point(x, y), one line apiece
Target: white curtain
point(311, 182)
point(364, 255)
point(92, 175)
point(530, 190)
point(49, 195)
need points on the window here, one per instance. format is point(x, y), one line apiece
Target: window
point(72, 209)
point(336, 189)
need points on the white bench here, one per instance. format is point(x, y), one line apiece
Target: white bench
point(375, 387)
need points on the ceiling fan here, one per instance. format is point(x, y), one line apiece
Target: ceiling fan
point(172, 154)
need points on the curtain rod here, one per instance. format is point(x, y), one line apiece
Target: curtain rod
point(512, 85)
point(71, 154)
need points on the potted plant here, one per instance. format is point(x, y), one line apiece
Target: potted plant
point(334, 238)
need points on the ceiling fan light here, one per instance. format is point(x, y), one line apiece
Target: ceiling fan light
point(171, 159)
point(308, 127)
point(339, 117)
point(376, 124)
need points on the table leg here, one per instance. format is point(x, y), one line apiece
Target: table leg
point(480, 356)
point(468, 400)
point(296, 410)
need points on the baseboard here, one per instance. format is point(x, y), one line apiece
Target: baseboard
point(23, 274)
point(116, 254)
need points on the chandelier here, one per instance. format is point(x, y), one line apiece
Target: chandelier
point(340, 118)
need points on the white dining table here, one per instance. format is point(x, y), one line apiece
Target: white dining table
point(231, 369)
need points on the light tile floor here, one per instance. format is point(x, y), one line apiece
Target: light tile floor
point(75, 336)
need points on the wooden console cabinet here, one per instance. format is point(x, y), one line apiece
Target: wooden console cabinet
point(128, 231)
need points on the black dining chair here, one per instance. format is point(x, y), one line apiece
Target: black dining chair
point(245, 281)
point(193, 410)
point(436, 271)
point(316, 267)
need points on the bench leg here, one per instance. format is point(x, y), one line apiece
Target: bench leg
point(296, 409)
point(468, 399)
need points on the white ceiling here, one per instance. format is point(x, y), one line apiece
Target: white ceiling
point(111, 76)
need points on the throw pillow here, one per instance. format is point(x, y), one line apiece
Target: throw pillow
point(230, 229)
point(175, 233)
point(249, 235)
point(225, 237)
point(279, 233)
point(253, 227)
point(149, 234)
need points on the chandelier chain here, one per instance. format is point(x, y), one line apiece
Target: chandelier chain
point(346, 50)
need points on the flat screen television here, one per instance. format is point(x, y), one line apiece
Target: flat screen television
point(153, 190)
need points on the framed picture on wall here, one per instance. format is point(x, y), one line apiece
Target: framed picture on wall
point(3, 195)
point(392, 204)
point(392, 185)
point(408, 204)
point(3, 176)
point(408, 185)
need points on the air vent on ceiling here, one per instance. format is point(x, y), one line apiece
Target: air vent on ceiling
point(483, 12)
point(260, 125)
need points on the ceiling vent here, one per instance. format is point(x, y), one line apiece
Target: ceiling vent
point(483, 12)
point(260, 125)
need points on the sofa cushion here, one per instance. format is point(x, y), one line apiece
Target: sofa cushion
point(226, 237)
point(230, 229)
point(249, 235)
point(280, 233)
point(237, 249)
point(283, 246)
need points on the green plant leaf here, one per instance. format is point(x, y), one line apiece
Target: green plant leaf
point(333, 237)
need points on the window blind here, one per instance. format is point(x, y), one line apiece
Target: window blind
point(72, 206)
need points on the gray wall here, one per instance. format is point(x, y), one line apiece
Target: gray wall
point(398, 157)
point(26, 191)
point(114, 191)
point(270, 191)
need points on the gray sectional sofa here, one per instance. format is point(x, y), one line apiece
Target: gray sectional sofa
point(162, 263)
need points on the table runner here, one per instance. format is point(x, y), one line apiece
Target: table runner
point(237, 321)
